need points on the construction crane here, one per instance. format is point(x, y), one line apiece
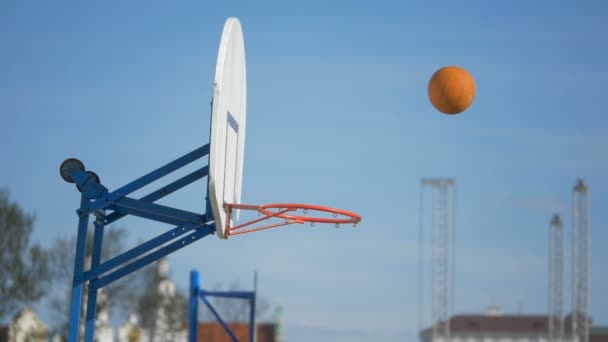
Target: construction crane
point(580, 262)
point(441, 223)
point(556, 279)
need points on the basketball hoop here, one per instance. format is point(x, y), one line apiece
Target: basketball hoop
point(291, 213)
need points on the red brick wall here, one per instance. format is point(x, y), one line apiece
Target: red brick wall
point(214, 332)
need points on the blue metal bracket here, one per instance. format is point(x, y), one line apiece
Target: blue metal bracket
point(164, 191)
point(196, 292)
point(152, 257)
point(96, 200)
point(151, 177)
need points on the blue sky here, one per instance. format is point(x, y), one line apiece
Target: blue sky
point(337, 114)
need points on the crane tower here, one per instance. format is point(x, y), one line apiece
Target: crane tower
point(556, 279)
point(580, 262)
point(441, 287)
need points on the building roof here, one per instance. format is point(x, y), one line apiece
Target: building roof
point(512, 324)
point(506, 323)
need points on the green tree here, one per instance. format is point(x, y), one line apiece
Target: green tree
point(24, 271)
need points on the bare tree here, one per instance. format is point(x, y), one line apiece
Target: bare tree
point(122, 294)
point(24, 266)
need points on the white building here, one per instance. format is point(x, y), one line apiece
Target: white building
point(132, 331)
point(167, 328)
point(25, 327)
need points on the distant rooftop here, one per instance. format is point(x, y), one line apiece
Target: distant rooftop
point(496, 323)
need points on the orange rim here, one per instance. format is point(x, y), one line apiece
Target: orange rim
point(347, 216)
point(285, 211)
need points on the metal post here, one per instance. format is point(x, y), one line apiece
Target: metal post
point(252, 327)
point(77, 282)
point(435, 273)
point(89, 328)
point(447, 300)
point(193, 324)
point(556, 279)
point(580, 262)
point(421, 256)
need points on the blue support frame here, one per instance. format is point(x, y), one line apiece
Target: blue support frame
point(196, 292)
point(96, 200)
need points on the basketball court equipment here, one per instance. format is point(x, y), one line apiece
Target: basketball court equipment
point(225, 152)
point(451, 90)
point(197, 293)
point(228, 127)
point(290, 213)
point(228, 123)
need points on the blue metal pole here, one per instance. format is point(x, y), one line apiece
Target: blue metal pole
point(228, 294)
point(252, 327)
point(194, 288)
point(151, 215)
point(252, 319)
point(97, 242)
point(77, 282)
point(125, 204)
point(89, 328)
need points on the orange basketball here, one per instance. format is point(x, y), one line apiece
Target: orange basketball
point(451, 90)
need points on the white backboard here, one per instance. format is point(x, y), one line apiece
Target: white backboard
point(228, 120)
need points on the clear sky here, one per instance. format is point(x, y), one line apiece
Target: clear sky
point(338, 114)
